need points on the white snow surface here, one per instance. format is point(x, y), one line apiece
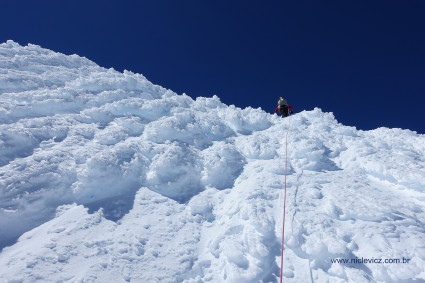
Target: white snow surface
point(106, 177)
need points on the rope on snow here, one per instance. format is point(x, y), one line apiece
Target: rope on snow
point(284, 199)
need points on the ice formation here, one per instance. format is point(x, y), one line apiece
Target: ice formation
point(106, 177)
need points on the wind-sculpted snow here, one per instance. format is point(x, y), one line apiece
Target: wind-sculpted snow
point(100, 135)
point(106, 177)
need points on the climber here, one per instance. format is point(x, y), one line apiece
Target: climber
point(283, 107)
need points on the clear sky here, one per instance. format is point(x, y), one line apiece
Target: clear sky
point(363, 60)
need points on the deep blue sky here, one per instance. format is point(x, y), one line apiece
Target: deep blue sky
point(363, 60)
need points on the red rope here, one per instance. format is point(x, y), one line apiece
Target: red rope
point(284, 200)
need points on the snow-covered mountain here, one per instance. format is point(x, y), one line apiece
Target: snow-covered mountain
point(106, 177)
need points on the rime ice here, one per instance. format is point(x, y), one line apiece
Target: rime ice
point(106, 177)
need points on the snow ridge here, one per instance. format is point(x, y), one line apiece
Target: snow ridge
point(107, 177)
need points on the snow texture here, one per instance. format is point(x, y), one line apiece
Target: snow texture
point(106, 177)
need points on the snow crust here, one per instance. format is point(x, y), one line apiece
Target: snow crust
point(106, 177)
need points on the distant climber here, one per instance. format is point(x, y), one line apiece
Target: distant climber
point(284, 108)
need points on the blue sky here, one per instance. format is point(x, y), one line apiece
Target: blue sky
point(362, 60)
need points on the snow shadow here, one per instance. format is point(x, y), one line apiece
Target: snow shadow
point(113, 208)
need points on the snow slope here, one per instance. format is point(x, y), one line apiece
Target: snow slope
point(106, 177)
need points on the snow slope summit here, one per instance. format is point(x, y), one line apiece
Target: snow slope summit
point(106, 177)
